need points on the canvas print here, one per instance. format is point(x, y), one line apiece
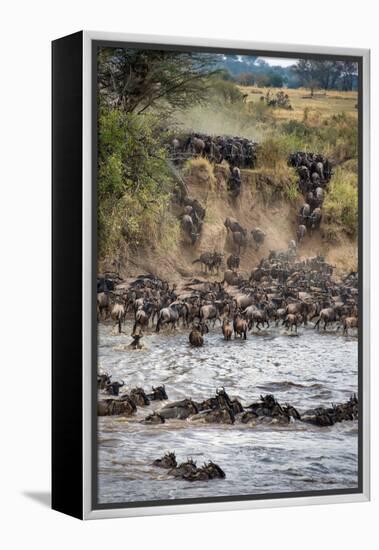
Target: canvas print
point(227, 346)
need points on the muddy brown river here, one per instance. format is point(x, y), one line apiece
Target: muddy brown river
point(308, 370)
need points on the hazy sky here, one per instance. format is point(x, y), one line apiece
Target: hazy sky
point(283, 62)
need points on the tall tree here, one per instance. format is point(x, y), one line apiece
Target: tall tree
point(308, 74)
point(136, 80)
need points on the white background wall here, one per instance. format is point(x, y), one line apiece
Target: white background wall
point(27, 27)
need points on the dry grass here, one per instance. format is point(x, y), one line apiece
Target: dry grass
point(317, 108)
point(200, 170)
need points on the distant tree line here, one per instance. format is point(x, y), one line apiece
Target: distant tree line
point(312, 74)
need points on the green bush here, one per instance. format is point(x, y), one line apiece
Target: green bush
point(341, 202)
point(134, 180)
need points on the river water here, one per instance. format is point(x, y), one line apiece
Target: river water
point(309, 370)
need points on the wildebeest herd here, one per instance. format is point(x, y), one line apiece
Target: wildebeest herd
point(217, 409)
point(315, 172)
point(237, 151)
point(282, 288)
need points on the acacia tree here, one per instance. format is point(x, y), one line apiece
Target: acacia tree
point(137, 80)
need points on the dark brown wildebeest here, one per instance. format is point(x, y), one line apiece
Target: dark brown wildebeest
point(185, 469)
point(139, 397)
point(113, 388)
point(103, 304)
point(239, 239)
point(258, 236)
point(102, 380)
point(215, 416)
point(116, 406)
point(179, 409)
point(231, 277)
point(154, 418)
point(189, 228)
point(167, 461)
point(158, 393)
point(196, 335)
point(233, 262)
point(234, 226)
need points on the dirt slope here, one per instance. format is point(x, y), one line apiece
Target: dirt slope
point(260, 204)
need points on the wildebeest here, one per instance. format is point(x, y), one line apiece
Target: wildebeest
point(154, 418)
point(113, 388)
point(349, 322)
point(292, 320)
point(233, 262)
point(167, 461)
point(189, 228)
point(210, 260)
point(139, 397)
point(231, 277)
point(258, 236)
point(103, 379)
point(315, 219)
point(239, 326)
point(185, 469)
point(167, 315)
point(211, 312)
point(227, 329)
point(304, 213)
point(215, 416)
point(196, 335)
point(328, 315)
point(179, 409)
point(158, 393)
point(209, 470)
point(116, 406)
point(142, 316)
point(300, 232)
point(103, 304)
point(239, 239)
point(234, 226)
point(254, 314)
point(118, 315)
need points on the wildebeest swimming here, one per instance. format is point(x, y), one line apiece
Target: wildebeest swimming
point(188, 470)
point(223, 409)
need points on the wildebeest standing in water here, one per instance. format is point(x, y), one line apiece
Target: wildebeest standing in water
point(118, 315)
point(167, 315)
point(196, 335)
point(227, 329)
point(239, 326)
